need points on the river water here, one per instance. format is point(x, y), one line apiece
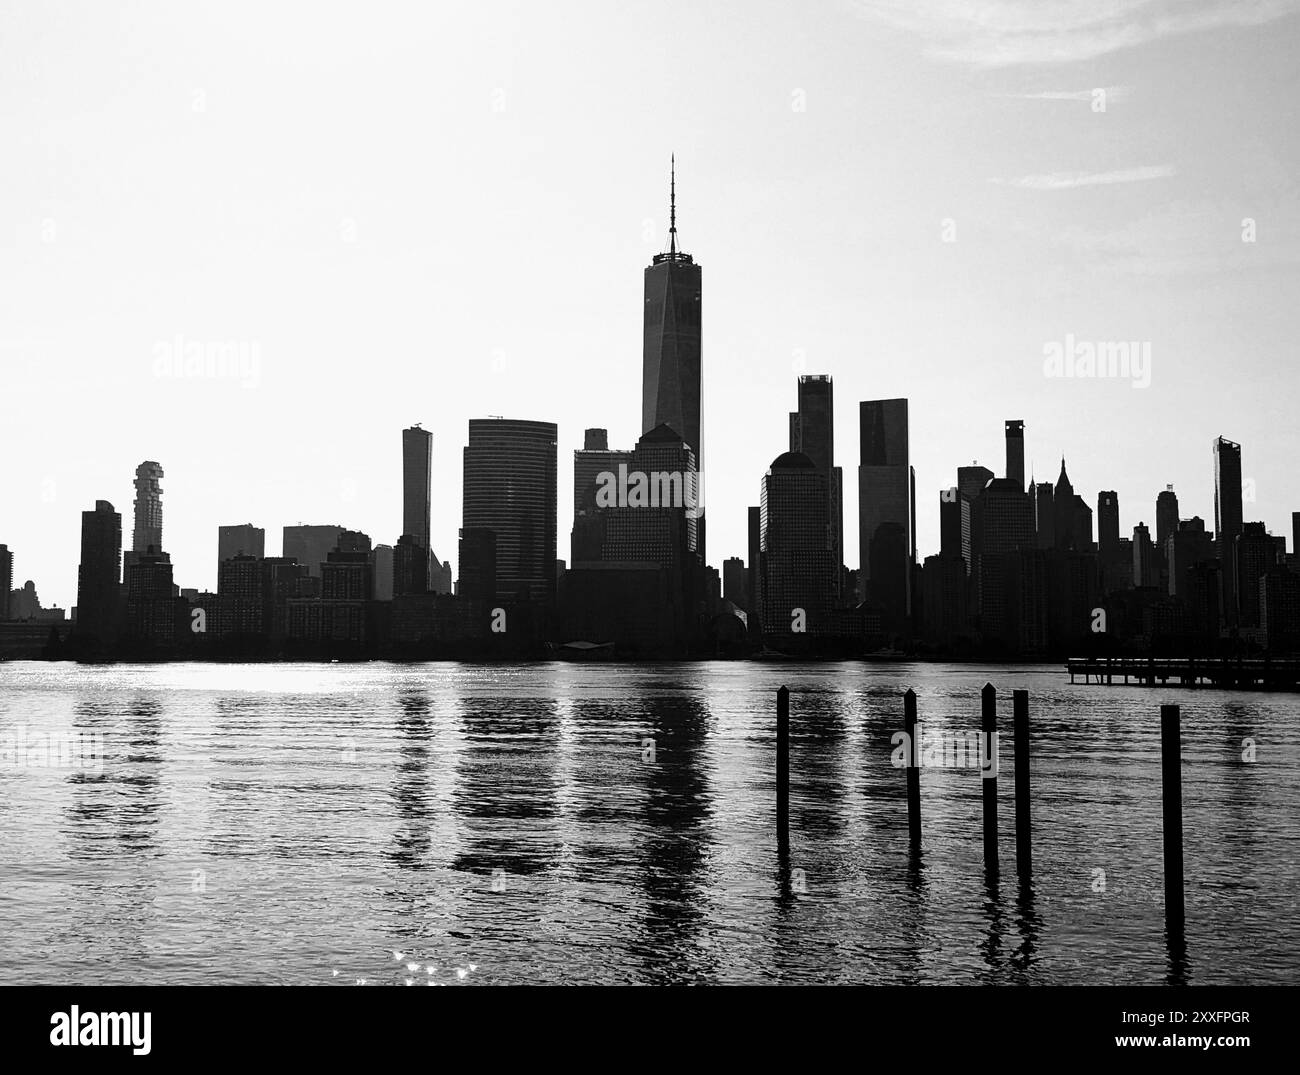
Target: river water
point(598, 823)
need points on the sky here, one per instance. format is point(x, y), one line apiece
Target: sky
point(401, 213)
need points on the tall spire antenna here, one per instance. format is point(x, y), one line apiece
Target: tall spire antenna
point(672, 205)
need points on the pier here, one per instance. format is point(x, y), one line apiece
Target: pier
point(1225, 673)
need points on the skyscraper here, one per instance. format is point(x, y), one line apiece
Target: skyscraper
point(796, 546)
point(243, 540)
point(310, 545)
point(1227, 521)
point(1044, 514)
point(6, 580)
point(972, 479)
point(593, 459)
point(1107, 523)
point(1002, 528)
point(509, 488)
point(1256, 555)
point(884, 508)
point(148, 508)
point(417, 466)
point(812, 432)
point(1145, 571)
point(99, 574)
point(671, 384)
point(1015, 436)
point(1166, 518)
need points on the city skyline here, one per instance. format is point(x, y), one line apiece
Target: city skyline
point(1035, 212)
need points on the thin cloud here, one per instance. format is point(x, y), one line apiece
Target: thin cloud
point(1071, 180)
point(1001, 33)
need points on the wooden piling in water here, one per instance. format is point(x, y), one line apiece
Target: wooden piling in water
point(1024, 863)
point(989, 728)
point(913, 771)
point(783, 769)
point(1171, 789)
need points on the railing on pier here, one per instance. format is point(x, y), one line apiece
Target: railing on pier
point(1266, 673)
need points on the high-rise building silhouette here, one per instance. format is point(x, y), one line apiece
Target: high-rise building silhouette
point(1072, 518)
point(410, 568)
point(1227, 521)
point(151, 609)
point(1145, 570)
point(1044, 514)
point(1107, 523)
point(241, 603)
point(99, 574)
point(1002, 528)
point(509, 488)
point(1187, 546)
point(671, 381)
point(593, 459)
point(478, 564)
point(1166, 517)
point(148, 508)
point(796, 548)
point(1015, 437)
point(242, 540)
point(6, 580)
point(884, 508)
point(812, 432)
point(1295, 533)
point(954, 526)
point(1256, 554)
point(310, 545)
point(735, 585)
point(972, 479)
point(381, 571)
point(417, 470)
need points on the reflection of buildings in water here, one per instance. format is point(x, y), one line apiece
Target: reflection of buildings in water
point(117, 807)
point(506, 787)
point(673, 853)
point(248, 792)
point(410, 789)
point(819, 768)
point(110, 829)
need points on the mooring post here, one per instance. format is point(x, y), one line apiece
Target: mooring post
point(783, 769)
point(1171, 787)
point(913, 771)
point(989, 775)
point(1024, 864)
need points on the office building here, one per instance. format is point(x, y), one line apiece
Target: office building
point(796, 550)
point(885, 511)
point(812, 433)
point(6, 580)
point(671, 383)
point(478, 564)
point(417, 470)
point(1227, 521)
point(1015, 438)
point(1256, 554)
point(241, 603)
point(1145, 569)
point(99, 574)
point(310, 545)
point(243, 540)
point(509, 488)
